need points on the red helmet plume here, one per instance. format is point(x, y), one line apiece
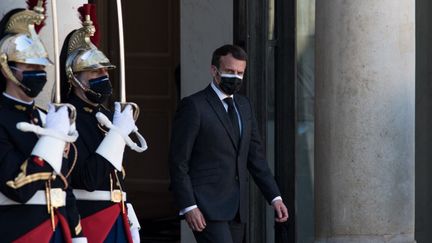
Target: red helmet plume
point(90, 10)
point(33, 3)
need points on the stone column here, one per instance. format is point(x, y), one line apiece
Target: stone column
point(364, 154)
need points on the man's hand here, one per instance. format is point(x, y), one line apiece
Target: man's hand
point(195, 219)
point(281, 211)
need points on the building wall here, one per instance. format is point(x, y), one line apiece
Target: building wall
point(423, 140)
point(204, 26)
point(68, 20)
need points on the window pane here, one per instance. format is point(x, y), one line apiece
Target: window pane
point(305, 87)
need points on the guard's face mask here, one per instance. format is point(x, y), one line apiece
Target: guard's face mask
point(34, 81)
point(230, 83)
point(100, 89)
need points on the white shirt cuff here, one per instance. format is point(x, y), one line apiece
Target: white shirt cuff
point(185, 210)
point(276, 198)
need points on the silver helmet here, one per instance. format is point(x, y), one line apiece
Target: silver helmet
point(82, 54)
point(21, 43)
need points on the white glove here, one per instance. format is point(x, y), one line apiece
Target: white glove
point(135, 235)
point(113, 145)
point(123, 120)
point(79, 240)
point(51, 148)
point(58, 120)
point(134, 223)
point(72, 128)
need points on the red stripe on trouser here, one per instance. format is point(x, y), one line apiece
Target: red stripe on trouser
point(96, 227)
point(127, 226)
point(44, 231)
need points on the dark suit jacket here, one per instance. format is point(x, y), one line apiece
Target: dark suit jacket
point(207, 167)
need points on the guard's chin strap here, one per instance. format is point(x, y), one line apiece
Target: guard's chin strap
point(103, 120)
point(72, 77)
point(28, 127)
point(8, 72)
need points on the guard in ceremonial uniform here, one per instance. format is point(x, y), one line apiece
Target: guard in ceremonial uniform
point(36, 202)
point(98, 178)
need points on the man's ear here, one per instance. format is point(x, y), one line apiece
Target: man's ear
point(213, 70)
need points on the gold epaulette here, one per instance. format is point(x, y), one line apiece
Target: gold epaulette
point(23, 179)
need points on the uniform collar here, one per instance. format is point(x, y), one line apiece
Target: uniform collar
point(17, 104)
point(81, 105)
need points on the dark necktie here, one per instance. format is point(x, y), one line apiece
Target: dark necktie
point(233, 117)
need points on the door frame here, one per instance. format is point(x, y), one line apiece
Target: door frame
point(251, 31)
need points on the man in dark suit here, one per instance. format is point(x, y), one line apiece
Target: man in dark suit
point(215, 141)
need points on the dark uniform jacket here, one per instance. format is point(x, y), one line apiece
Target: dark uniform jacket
point(22, 175)
point(92, 171)
point(207, 166)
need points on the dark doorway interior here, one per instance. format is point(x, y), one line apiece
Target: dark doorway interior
point(152, 43)
point(266, 29)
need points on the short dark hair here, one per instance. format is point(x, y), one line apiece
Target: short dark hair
point(236, 51)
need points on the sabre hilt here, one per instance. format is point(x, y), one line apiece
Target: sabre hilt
point(103, 120)
point(71, 111)
point(135, 109)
